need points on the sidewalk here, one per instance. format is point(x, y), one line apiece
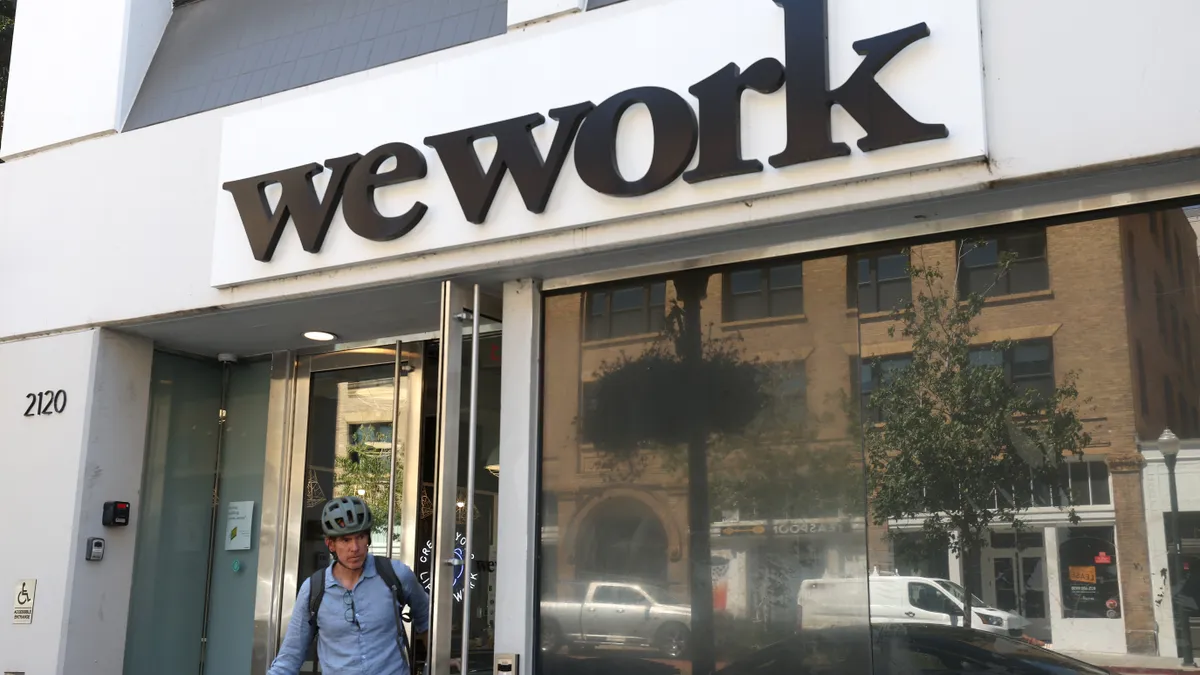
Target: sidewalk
point(1133, 664)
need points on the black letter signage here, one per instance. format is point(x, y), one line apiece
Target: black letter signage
point(358, 201)
point(593, 130)
point(720, 99)
point(674, 142)
point(809, 99)
point(516, 151)
point(298, 201)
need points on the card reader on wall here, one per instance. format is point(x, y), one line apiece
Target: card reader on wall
point(116, 514)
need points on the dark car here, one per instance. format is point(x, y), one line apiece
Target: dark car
point(905, 649)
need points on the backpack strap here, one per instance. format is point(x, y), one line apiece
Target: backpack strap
point(316, 593)
point(383, 567)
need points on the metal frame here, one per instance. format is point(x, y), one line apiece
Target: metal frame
point(268, 594)
point(453, 304)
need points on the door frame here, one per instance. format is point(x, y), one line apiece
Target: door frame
point(1017, 555)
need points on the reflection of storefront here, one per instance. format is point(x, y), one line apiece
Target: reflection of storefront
point(759, 566)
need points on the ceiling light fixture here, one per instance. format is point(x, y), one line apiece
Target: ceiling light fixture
point(320, 336)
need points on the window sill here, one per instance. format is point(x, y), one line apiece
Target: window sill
point(621, 341)
point(870, 316)
point(1016, 298)
point(765, 321)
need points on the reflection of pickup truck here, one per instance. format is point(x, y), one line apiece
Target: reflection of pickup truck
point(616, 613)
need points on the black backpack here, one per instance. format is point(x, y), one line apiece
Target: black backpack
point(383, 566)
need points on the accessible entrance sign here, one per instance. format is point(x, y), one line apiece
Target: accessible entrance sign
point(23, 597)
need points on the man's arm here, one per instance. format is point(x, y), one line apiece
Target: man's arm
point(298, 638)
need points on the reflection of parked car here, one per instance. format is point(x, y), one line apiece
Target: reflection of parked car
point(616, 613)
point(906, 649)
point(825, 603)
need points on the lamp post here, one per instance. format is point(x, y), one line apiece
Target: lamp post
point(1168, 445)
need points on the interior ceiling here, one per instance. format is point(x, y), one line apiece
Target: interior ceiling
point(412, 308)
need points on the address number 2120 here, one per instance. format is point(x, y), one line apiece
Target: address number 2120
point(46, 403)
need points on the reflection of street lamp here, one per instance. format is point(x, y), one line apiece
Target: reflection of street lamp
point(493, 462)
point(1168, 445)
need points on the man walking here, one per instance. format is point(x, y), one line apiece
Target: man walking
point(353, 608)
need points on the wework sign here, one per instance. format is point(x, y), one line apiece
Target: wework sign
point(703, 132)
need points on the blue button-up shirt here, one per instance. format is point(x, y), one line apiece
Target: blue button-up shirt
point(356, 628)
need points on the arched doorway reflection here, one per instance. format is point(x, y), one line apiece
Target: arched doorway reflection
point(622, 538)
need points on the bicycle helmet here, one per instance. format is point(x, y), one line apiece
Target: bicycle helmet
point(345, 515)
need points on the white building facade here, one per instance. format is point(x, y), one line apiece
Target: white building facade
point(160, 271)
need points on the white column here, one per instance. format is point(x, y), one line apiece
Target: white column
point(76, 68)
point(521, 12)
point(1053, 582)
point(66, 463)
point(517, 535)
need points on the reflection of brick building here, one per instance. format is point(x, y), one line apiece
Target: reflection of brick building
point(1108, 300)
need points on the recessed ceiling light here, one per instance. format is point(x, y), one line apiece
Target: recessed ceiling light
point(320, 336)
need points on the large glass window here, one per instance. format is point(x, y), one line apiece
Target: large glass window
point(8, 12)
point(772, 489)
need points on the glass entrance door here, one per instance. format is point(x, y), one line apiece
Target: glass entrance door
point(354, 413)
point(413, 428)
point(1018, 584)
point(458, 557)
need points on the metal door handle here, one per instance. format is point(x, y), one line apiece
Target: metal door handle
point(620, 611)
point(909, 614)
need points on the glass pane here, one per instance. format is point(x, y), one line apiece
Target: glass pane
point(167, 602)
point(982, 254)
point(625, 299)
point(894, 294)
point(596, 319)
point(745, 281)
point(487, 492)
point(1080, 485)
point(787, 302)
point(987, 357)
point(1098, 471)
point(345, 409)
point(1088, 562)
point(1026, 246)
point(787, 276)
point(892, 267)
point(1028, 276)
point(747, 307)
point(1006, 584)
point(1033, 587)
point(707, 476)
point(864, 270)
point(984, 281)
point(628, 323)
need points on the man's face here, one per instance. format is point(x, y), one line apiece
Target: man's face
point(350, 550)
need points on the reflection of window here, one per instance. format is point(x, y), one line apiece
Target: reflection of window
point(1085, 483)
point(786, 388)
point(1088, 561)
point(1027, 365)
point(878, 281)
point(763, 292)
point(628, 310)
point(873, 373)
point(1027, 272)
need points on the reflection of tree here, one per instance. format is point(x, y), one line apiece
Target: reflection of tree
point(962, 447)
point(679, 395)
point(365, 470)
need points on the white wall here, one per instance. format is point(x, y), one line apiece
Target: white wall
point(58, 471)
point(1096, 85)
point(76, 67)
point(1156, 485)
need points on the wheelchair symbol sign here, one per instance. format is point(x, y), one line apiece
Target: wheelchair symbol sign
point(24, 593)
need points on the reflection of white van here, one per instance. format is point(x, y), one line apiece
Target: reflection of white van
point(824, 603)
